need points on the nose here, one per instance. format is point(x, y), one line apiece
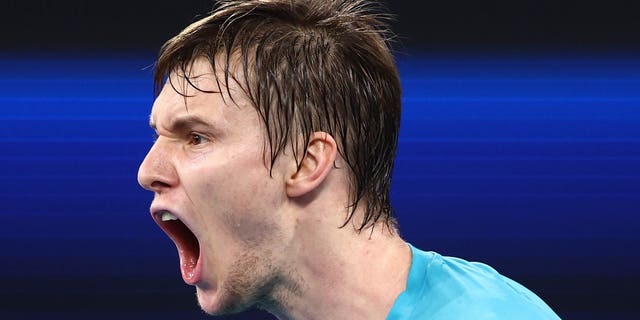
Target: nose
point(156, 172)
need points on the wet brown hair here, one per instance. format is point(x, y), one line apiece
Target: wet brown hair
point(308, 66)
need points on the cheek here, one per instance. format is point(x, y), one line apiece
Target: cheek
point(240, 200)
point(254, 218)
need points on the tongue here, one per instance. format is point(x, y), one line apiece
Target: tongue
point(189, 252)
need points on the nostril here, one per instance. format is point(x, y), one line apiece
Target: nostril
point(158, 186)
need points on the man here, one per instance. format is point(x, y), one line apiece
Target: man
point(276, 132)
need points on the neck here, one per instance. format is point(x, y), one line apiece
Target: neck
point(341, 273)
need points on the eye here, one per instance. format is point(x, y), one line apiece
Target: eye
point(196, 139)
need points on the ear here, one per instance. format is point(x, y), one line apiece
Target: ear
point(314, 166)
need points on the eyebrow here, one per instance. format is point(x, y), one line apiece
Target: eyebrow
point(182, 123)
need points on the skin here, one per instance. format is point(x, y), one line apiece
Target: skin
point(272, 241)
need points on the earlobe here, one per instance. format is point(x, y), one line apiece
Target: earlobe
point(314, 166)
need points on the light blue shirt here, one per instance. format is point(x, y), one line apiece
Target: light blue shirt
point(447, 288)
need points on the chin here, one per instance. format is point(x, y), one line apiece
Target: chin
point(215, 303)
point(208, 301)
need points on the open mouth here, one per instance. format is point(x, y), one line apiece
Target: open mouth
point(185, 241)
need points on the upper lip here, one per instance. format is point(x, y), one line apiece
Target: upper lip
point(156, 210)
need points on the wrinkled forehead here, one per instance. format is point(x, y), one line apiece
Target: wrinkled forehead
point(202, 74)
point(196, 76)
point(196, 89)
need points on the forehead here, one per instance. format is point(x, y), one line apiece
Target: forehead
point(197, 89)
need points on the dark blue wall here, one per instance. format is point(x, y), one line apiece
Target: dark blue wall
point(530, 163)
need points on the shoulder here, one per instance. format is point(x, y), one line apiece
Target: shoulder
point(442, 287)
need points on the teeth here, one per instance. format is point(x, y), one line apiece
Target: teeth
point(167, 216)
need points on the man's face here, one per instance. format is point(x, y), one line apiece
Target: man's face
point(207, 170)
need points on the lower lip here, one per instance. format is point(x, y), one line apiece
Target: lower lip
point(192, 276)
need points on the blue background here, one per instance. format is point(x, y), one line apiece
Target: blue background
point(528, 163)
point(519, 147)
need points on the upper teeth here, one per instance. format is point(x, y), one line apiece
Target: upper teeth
point(167, 216)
